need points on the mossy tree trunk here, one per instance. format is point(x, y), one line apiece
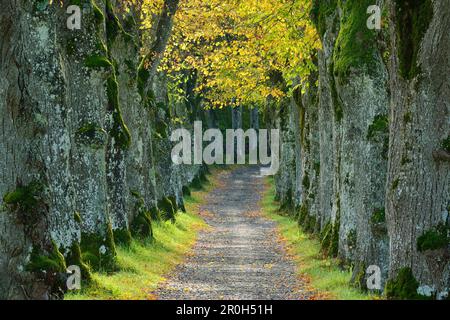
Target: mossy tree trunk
point(285, 178)
point(360, 100)
point(307, 143)
point(122, 48)
point(418, 177)
point(89, 101)
point(37, 215)
point(326, 110)
point(139, 191)
point(295, 113)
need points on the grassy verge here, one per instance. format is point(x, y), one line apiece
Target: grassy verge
point(322, 274)
point(144, 264)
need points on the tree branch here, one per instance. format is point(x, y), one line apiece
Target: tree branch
point(163, 33)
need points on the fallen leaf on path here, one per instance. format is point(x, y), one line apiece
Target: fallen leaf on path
point(252, 214)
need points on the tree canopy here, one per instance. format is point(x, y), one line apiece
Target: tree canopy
point(242, 51)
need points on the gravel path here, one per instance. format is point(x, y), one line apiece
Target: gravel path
point(241, 256)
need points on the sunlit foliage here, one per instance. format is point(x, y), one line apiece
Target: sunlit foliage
point(243, 51)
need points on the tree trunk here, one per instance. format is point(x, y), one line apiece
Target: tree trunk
point(37, 215)
point(417, 188)
point(329, 216)
point(309, 158)
point(361, 120)
point(89, 101)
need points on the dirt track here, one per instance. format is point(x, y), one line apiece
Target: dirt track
point(241, 256)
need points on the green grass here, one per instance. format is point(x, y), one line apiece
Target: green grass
point(322, 274)
point(145, 264)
